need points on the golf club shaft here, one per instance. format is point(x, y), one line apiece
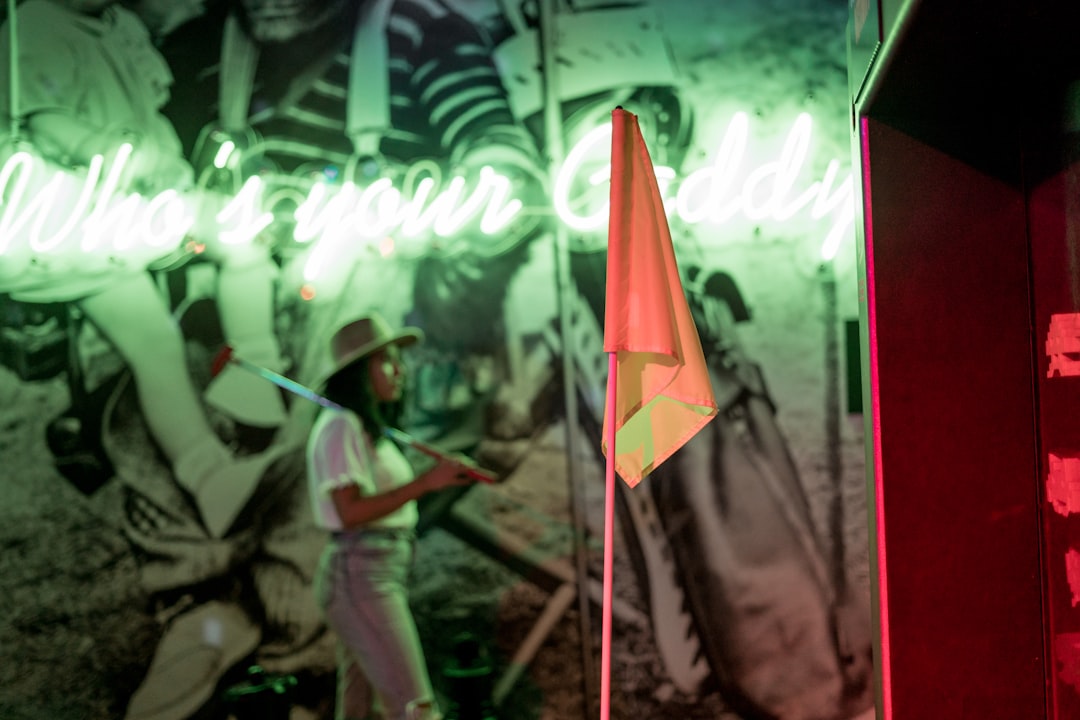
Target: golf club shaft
point(393, 433)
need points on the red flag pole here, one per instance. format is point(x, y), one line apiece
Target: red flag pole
point(612, 279)
point(646, 318)
point(609, 539)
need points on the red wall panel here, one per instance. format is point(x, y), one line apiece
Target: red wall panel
point(1053, 218)
point(956, 466)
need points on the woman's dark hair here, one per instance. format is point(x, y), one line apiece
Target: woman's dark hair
point(350, 387)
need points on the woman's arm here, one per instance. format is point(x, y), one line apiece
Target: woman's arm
point(356, 509)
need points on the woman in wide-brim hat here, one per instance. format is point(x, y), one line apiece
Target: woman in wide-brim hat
point(364, 491)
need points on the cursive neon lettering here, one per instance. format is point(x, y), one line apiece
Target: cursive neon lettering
point(103, 217)
point(415, 219)
point(49, 211)
point(243, 212)
point(381, 208)
point(71, 220)
point(19, 215)
point(713, 193)
point(697, 200)
point(317, 214)
point(331, 247)
point(783, 174)
point(17, 166)
point(44, 210)
point(571, 167)
point(174, 224)
point(221, 158)
point(503, 208)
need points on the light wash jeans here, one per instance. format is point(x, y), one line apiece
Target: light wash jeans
point(362, 588)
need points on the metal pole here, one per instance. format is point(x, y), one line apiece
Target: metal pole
point(553, 136)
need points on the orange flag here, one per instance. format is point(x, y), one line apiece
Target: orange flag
point(663, 395)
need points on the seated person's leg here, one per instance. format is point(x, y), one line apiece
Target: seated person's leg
point(133, 316)
point(245, 298)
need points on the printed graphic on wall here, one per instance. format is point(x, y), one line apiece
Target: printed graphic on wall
point(199, 199)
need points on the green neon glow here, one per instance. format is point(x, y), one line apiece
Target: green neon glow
point(334, 220)
point(48, 211)
point(221, 159)
point(243, 213)
point(52, 212)
point(719, 192)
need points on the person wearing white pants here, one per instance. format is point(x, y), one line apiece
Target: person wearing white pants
point(364, 491)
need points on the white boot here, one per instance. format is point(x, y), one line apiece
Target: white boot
point(196, 650)
point(244, 395)
point(220, 484)
point(245, 295)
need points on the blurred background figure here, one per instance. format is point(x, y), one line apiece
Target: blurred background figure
point(90, 81)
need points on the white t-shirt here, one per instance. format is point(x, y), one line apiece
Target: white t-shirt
point(340, 453)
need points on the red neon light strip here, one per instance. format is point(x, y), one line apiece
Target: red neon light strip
point(875, 397)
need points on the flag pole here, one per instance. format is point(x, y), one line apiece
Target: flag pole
point(553, 141)
point(612, 278)
point(609, 539)
point(649, 333)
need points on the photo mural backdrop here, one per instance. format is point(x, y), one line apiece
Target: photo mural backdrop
point(196, 195)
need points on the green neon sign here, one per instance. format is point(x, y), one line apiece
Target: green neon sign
point(52, 211)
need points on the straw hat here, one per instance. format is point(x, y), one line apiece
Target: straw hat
point(362, 337)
